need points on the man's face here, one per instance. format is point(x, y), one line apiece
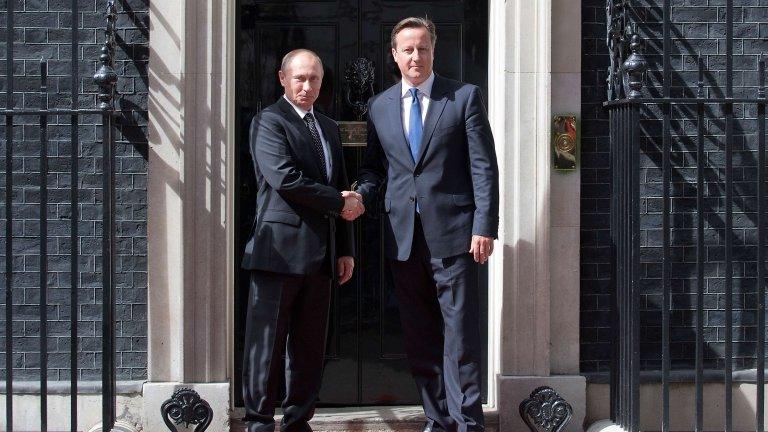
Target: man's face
point(414, 54)
point(302, 80)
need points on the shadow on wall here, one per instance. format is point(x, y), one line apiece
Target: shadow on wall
point(187, 194)
point(684, 217)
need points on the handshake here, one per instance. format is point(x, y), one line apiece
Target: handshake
point(353, 205)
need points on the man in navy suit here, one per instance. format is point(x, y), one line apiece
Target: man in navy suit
point(298, 244)
point(430, 145)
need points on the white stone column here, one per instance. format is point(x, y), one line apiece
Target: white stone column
point(189, 210)
point(565, 195)
point(534, 276)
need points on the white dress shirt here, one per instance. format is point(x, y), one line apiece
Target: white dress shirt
point(425, 89)
point(326, 147)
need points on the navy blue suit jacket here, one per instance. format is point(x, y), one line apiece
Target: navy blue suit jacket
point(455, 178)
point(297, 225)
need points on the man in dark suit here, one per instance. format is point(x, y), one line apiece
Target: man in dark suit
point(430, 142)
point(297, 235)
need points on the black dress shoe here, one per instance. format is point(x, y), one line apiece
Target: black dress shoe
point(431, 426)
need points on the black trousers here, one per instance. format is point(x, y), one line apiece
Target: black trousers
point(286, 314)
point(439, 309)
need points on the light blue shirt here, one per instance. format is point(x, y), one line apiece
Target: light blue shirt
point(425, 89)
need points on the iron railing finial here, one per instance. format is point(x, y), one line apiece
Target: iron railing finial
point(635, 66)
point(105, 76)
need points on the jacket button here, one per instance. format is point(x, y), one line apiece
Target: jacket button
point(411, 198)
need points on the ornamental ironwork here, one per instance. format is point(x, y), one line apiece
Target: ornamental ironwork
point(546, 409)
point(186, 406)
point(621, 37)
point(358, 76)
point(105, 76)
point(635, 67)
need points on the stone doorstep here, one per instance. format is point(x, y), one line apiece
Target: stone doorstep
point(366, 419)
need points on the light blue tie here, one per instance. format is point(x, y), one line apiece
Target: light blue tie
point(414, 129)
point(414, 125)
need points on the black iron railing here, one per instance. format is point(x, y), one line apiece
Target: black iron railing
point(628, 109)
point(106, 78)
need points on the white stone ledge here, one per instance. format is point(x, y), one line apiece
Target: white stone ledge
point(682, 406)
point(26, 412)
point(64, 387)
point(681, 376)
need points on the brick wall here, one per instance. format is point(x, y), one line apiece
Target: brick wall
point(42, 29)
point(699, 28)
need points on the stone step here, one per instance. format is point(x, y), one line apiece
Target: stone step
point(367, 419)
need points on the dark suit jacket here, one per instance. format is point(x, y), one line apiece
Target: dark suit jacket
point(297, 224)
point(455, 179)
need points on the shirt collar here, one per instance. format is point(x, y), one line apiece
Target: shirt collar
point(301, 112)
point(425, 88)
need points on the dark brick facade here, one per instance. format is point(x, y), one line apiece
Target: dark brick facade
point(699, 28)
point(42, 29)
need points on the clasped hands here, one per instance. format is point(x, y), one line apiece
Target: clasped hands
point(481, 247)
point(353, 205)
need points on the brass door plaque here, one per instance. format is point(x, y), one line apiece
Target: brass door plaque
point(565, 142)
point(353, 133)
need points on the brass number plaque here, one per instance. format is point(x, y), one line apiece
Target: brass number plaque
point(565, 142)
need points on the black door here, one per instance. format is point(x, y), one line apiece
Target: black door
point(365, 362)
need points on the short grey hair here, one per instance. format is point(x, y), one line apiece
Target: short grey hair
point(288, 58)
point(414, 22)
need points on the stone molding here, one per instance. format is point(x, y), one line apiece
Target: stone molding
point(188, 187)
point(523, 247)
point(535, 276)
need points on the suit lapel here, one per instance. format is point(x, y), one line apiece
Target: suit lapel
point(306, 149)
point(395, 117)
point(435, 110)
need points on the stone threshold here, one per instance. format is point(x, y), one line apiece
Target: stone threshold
point(366, 419)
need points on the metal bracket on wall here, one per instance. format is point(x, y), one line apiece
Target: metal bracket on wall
point(546, 409)
point(188, 407)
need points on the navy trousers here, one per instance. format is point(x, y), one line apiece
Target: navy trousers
point(439, 310)
point(286, 315)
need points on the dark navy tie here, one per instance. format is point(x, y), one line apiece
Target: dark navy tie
point(317, 145)
point(414, 125)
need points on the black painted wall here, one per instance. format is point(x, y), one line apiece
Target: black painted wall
point(42, 29)
point(699, 28)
